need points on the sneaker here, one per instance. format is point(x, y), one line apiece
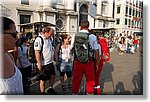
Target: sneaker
point(63, 87)
point(70, 86)
point(51, 91)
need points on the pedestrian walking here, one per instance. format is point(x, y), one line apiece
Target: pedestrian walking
point(104, 56)
point(44, 53)
point(11, 78)
point(63, 56)
point(24, 65)
point(84, 64)
point(135, 42)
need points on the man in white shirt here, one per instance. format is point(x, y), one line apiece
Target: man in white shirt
point(44, 56)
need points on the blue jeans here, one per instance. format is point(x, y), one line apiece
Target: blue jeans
point(135, 46)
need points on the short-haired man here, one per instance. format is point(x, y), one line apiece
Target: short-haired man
point(85, 68)
point(44, 57)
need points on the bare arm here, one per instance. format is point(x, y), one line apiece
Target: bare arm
point(20, 63)
point(96, 53)
point(38, 59)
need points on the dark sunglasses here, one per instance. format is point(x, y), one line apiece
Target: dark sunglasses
point(13, 34)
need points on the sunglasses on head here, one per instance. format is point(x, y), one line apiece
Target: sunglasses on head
point(13, 34)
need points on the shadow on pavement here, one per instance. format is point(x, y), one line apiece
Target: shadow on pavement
point(120, 90)
point(106, 76)
point(138, 83)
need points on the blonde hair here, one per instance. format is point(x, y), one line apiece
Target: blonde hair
point(47, 29)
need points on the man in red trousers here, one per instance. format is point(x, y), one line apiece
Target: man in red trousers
point(85, 68)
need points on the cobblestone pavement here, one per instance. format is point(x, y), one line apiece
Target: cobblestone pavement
point(122, 75)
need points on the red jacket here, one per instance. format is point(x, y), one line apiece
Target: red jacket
point(105, 49)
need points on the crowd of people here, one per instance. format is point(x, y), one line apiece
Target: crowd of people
point(71, 56)
point(123, 42)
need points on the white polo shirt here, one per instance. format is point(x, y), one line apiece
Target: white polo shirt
point(92, 38)
point(48, 49)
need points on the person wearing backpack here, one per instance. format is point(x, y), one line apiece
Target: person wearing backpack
point(24, 65)
point(86, 58)
point(44, 57)
point(63, 58)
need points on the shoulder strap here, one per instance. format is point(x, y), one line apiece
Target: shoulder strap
point(42, 43)
point(42, 46)
point(21, 48)
point(57, 51)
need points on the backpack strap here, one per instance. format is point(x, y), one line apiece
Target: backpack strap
point(57, 51)
point(42, 43)
point(21, 48)
point(41, 46)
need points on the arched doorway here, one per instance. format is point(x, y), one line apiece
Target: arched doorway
point(83, 11)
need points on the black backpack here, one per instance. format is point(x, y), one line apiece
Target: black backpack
point(31, 52)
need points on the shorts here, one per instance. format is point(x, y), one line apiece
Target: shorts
point(69, 74)
point(47, 71)
point(64, 66)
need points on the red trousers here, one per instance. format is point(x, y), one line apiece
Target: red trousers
point(78, 71)
point(97, 89)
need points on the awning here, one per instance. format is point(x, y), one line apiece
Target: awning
point(103, 29)
point(37, 24)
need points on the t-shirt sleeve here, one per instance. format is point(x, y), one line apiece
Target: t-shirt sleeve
point(19, 52)
point(93, 42)
point(100, 49)
point(37, 44)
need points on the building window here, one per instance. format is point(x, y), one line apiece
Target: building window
point(117, 21)
point(130, 11)
point(25, 19)
point(139, 14)
point(126, 21)
point(138, 24)
point(118, 10)
point(133, 13)
point(126, 9)
point(136, 2)
point(136, 13)
point(129, 23)
point(25, 2)
point(104, 8)
point(83, 13)
point(132, 23)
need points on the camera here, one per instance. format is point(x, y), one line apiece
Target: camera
point(40, 76)
point(44, 76)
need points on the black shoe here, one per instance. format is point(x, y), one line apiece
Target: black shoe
point(70, 86)
point(51, 91)
point(63, 87)
point(43, 93)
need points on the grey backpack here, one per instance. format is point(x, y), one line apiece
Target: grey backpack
point(82, 49)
